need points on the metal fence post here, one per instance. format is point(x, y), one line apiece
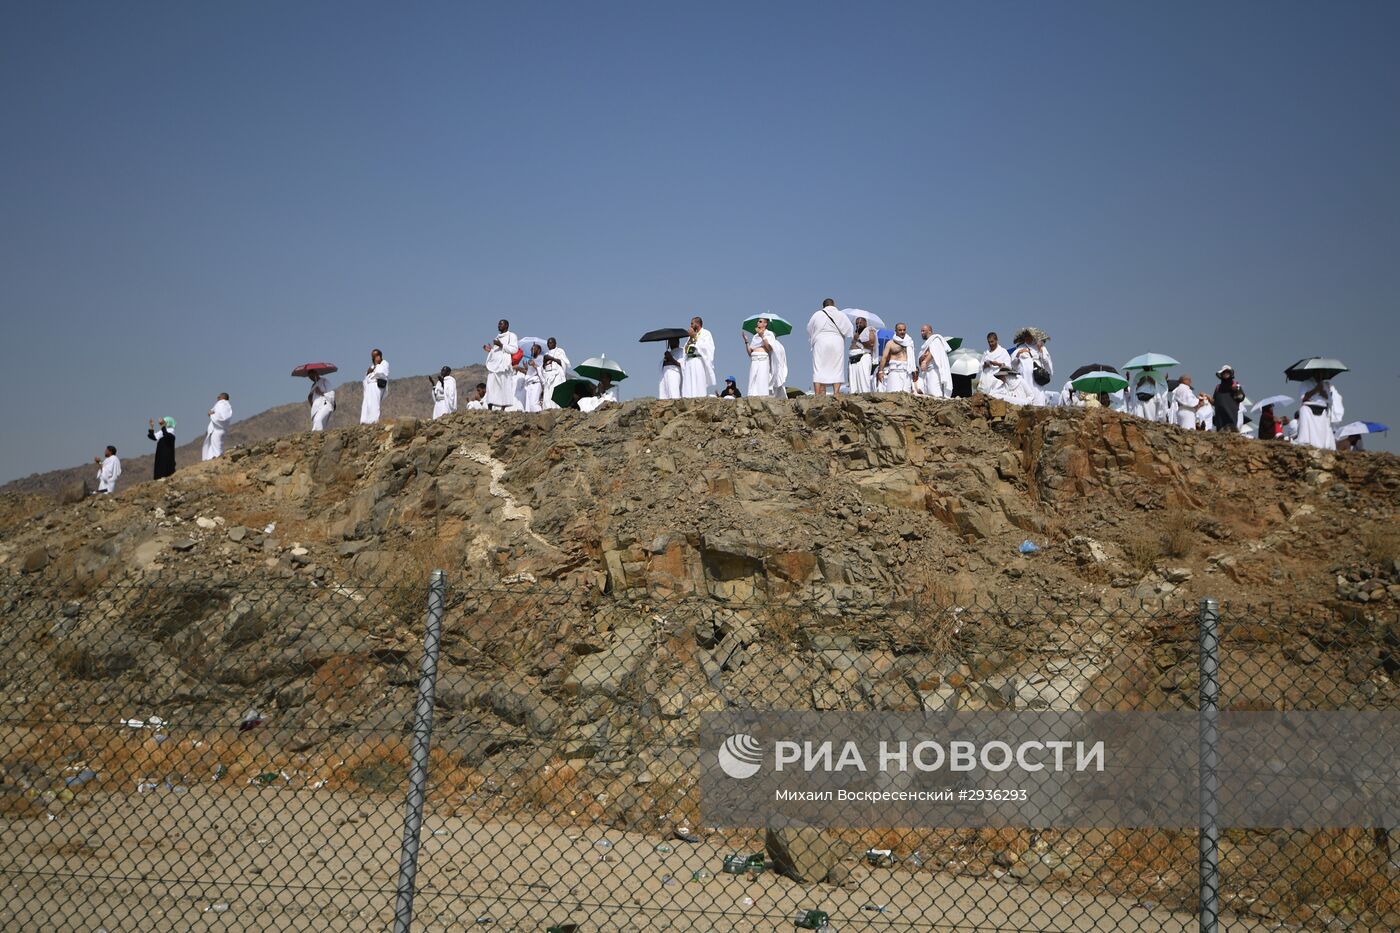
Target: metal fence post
point(1210, 760)
point(418, 770)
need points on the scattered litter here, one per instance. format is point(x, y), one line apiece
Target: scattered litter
point(915, 860)
point(701, 875)
point(271, 527)
point(664, 849)
point(562, 928)
point(442, 832)
point(875, 908)
point(812, 920)
point(485, 918)
point(684, 834)
point(880, 858)
point(1028, 547)
point(82, 777)
point(668, 881)
point(251, 719)
point(740, 864)
point(219, 908)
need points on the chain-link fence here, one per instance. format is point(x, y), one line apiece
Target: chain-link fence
point(231, 753)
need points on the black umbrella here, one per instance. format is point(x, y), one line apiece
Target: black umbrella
point(1315, 367)
point(1091, 368)
point(664, 334)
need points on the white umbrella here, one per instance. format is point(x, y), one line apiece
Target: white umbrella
point(1360, 427)
point(965, 363)
point(873, 320)
point(526, 342)
point(1273, 400)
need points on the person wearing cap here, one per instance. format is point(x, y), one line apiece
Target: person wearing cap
point(1186, 403)
point(1010, 388)
point(109, 471)
point(1226, 400)
point(500, 367)
point(376, 383)
point(219, 417)
point(731, 389)
point(444, 392)
point(163, 433)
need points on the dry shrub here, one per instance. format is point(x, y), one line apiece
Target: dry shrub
point(1142, 553)
point(230, 484)
point(1381, 544)
point(1180, 530)
point(1340, 868)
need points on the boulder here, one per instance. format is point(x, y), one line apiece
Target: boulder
point(803, 853)
point(34, 561)
point(607, 671)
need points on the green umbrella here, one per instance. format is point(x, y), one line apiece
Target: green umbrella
point(779, 326)
point(563, 394)
point(954, 343)
point(595, 367)
point(1097, 382)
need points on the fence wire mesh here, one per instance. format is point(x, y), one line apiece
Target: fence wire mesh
point(231, 753)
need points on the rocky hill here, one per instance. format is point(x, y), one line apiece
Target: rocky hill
point(408, 398)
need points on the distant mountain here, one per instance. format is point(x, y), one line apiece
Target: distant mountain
point(407, 398)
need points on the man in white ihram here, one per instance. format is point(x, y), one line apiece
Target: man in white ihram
point(699, 375)
point(500, 369)
point(110, 470)
point(219, 417)
point(829, 334)
point(896, 369)
point(935, 378)
point(992, 361)
point(444, 393)
point(531, 368)
point(553, 370)
point(862, 349)
point(1145, 401)
point(1186, 404)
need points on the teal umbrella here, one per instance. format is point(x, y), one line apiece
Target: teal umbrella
point(1151, 361)
point(779, 326)
point(595, 367)
point(1097, 382)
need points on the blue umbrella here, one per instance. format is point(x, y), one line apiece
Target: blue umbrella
point(1151, 361)
point(1361, 427)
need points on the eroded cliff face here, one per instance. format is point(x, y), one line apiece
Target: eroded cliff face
point(868, 495)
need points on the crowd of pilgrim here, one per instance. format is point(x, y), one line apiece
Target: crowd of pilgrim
point(848, 356)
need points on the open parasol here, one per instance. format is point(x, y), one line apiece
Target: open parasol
point(595, 368)
point(525, 343)
point(1272, 400)
point(965, 363)
point(314, 369)
point(1150, 361)
point(871, 320)
point(564, 392)
point(661, 335)
point(1092, 368)
point(1315, 367)
point(779, 326)
point(1361, 427)
point(1096, 382)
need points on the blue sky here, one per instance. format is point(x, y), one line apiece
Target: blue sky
point(197, 197)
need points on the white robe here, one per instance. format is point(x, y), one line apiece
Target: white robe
point(444, 397)
point(670, 385)
point(534, 383)
point(500, 371)
point(862, 376)
point(553, 370)
point(1205, 417)
point(597, 401)
point(935, 378)
point(1185, 401)
point(218, 424)
point(108, 474)
point(899, 373)
point(1069, 397)
point(1154, 409)
point(1024, 359)
point(699, 374)
point(1315, 426)
point(829, 335)
point(322, 404)
point(369, 406)
point(764, 373)
point(992, 360)
point(1011, 390)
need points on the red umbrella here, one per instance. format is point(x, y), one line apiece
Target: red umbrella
point(316, 369)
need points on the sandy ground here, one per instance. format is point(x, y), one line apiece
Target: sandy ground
point(270, 859)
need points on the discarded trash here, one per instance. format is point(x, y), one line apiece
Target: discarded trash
point(875, 908)
point(684, 834)
point(486, 918)
point(811, 920)
point(668, 881)
point(602, 844)
point(251, 720)
point(915, 860)
point(880, 858)
point(267, 778)
point(1028, 547)
point(741, 864)
point(701, 875)
point(146, 787)
point(562, 928)
point(82, 777)
point(442, 832)
point(745, 902)
point(220, 908)
point(271, 527)
point(664, 849)
point(220, 771)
